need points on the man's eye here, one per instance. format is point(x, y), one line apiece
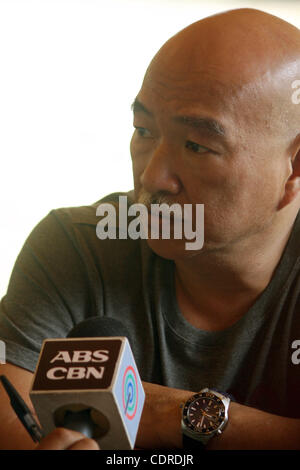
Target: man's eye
point(142, 132)
point(196, 147)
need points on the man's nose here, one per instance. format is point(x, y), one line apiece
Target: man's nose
point(160, 173)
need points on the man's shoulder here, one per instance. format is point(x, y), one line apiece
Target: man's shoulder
point(110, 245)
point(87, 214)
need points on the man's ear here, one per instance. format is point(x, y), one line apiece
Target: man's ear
point(292, 185)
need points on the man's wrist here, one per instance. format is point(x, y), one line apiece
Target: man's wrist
point(160, 425)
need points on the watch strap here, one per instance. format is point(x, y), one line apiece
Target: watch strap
point(189, 443)
point(225, 394)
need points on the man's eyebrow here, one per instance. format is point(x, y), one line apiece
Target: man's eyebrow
point(137, 106)
point(208, 124)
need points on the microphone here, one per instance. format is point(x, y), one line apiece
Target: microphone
point(89, 382)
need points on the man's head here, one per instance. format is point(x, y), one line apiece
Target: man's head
point(216, 125)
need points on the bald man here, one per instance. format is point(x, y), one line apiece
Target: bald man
point(215, 124)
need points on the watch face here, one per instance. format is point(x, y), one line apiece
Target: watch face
point(204, 413)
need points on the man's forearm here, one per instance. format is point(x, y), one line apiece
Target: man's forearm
point(247, 428)
point(160, 422)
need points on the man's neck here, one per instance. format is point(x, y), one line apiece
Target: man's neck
point(215, 289)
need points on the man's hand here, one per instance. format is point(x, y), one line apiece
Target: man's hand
point(65, 439)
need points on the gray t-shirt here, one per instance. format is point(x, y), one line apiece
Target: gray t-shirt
point(65, 274)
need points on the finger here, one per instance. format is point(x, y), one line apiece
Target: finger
point(60, 439)
point(85, 444)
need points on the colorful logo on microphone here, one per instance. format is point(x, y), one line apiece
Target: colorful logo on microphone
point(130, 392)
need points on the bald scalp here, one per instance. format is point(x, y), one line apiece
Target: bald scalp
point(247, 54)
point(244, 39)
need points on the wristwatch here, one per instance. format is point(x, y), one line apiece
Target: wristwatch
point(204, 415)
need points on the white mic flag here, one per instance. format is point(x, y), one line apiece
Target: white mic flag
point(95, 378)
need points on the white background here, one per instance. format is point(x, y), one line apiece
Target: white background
point(69, 71)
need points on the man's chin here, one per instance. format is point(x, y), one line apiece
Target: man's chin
point(171, 249)
point(176, 249)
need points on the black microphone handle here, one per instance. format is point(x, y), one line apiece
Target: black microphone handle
point(79, 421)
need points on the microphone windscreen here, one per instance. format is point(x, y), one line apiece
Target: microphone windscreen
point(99, 327)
